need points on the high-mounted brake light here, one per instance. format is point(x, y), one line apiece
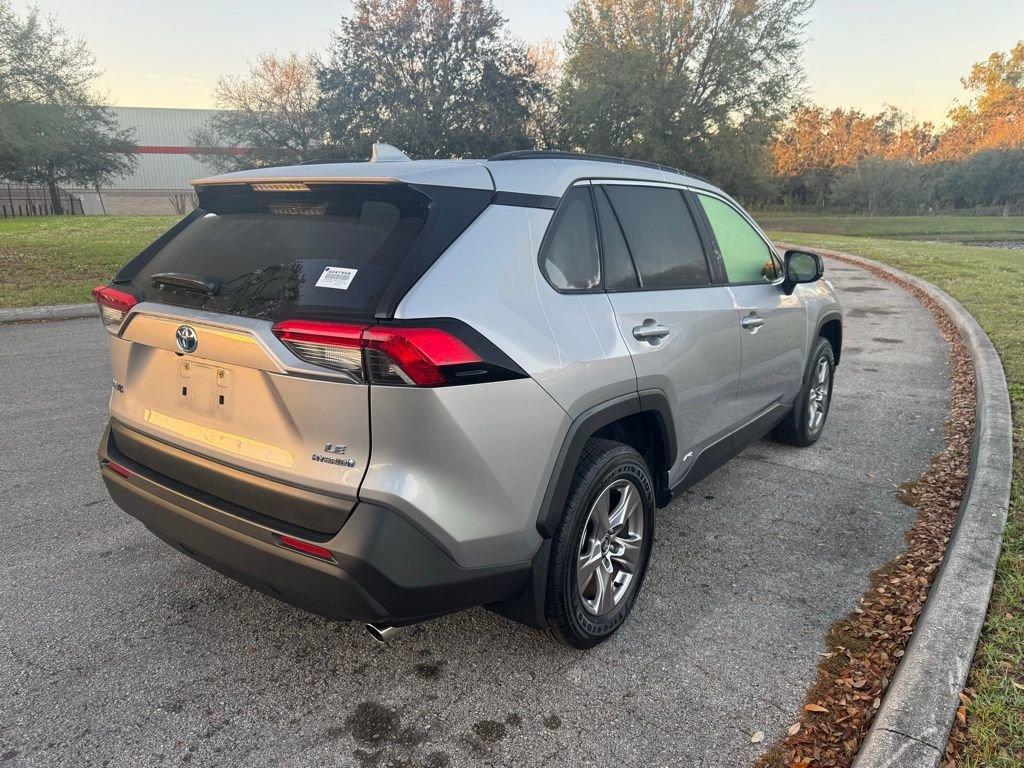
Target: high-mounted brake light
point(378, 354)
point(114, 305)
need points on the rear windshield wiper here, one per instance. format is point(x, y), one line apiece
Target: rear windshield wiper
point(185, 282)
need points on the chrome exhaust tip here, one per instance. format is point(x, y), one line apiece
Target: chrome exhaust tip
point(383, 633)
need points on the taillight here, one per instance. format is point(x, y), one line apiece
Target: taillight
point(332, 345)
point(395, 355)
point(114, 305)
point(413, 356)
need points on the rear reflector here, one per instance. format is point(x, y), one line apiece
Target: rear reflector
point(117, 469)
point(114, 305)
point(306, 548)
point(378, 354)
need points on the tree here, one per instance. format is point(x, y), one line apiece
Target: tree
point(993, 118)
point(437, 78)
point(696, 83)
point(273, 113)
point(817, 145)
point(54, 129)
point(878, 186)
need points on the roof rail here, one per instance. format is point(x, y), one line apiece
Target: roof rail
point(331, 160)
point(554, 154)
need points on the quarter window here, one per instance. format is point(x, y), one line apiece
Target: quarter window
point(661, 236)
point(569, 255)
point(747, 257)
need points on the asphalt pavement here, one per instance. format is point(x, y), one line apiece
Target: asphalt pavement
point(118, 651)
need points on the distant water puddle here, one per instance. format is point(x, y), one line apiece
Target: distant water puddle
point(1013, 245)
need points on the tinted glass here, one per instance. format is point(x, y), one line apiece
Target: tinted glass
point(661, 236)
point(619, 274)
point(746, 255)
point(569, 255)
point(284, 254)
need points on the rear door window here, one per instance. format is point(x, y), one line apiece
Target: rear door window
point(328, 251)
point(661, 236)
point(746, 255)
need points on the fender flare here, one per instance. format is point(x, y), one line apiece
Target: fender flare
point(825, 317)
point(528, 606)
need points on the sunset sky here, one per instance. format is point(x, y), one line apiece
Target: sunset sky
point(859, 53)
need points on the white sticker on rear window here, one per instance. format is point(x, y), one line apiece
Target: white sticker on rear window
point(336, 277)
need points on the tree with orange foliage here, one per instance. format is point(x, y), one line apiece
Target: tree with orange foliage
point(816, 145)
point(994, 116)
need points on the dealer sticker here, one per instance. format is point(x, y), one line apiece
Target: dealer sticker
point(336, 277)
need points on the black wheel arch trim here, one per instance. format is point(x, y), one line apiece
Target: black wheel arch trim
point(826, 317)
point(583, 427)
point(528, 606)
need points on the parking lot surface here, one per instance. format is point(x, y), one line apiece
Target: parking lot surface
point(117, 650)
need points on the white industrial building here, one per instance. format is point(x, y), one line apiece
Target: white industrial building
point(168, 162)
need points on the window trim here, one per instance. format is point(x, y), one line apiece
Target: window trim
point(753, 225)
point(548, 232)
point(709, 261)
point(596, 189)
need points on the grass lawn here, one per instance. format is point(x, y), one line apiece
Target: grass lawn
point(990, 283)
point(955, 228)
point(59, 259)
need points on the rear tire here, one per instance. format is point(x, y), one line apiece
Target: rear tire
point(600, 551)
point(804, 424)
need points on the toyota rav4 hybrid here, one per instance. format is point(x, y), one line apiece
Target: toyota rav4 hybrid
point(390, 390)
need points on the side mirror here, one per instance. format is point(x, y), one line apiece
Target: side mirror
point(801, 267)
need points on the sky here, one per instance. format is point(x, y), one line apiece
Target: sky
point(858, 53)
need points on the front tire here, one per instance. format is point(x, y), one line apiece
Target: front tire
point(805, 423)
point(599, 553)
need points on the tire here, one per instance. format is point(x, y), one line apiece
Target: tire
point(802, 427)
point(618, 477)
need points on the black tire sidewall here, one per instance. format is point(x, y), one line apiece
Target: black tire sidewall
point(582, 628)
point(822, 350)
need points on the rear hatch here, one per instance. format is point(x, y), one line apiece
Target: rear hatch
point(199, 369)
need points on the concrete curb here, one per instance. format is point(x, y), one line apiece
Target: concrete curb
point(912, 725)
point(39, 314)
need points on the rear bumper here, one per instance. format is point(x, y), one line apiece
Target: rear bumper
point(384, 568)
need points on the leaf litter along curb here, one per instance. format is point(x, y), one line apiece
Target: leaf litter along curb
point(864, 647)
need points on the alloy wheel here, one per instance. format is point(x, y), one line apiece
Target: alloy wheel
point(818, 397)
point(610, 548)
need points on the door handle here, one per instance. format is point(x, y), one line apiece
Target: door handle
point(752, 322)
point(650, 331)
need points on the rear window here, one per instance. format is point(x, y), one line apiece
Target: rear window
point(271, 254)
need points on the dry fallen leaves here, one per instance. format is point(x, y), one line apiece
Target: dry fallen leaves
point(757, 737)
point(865, 647)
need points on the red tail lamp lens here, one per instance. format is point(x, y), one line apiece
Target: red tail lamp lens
point(306, 548)
point(401, 356)
point(418, 353)
point(114, 305)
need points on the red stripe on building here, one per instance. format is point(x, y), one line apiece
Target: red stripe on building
point(236, 151)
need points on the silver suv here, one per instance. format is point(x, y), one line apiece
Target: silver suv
point(389, 390)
